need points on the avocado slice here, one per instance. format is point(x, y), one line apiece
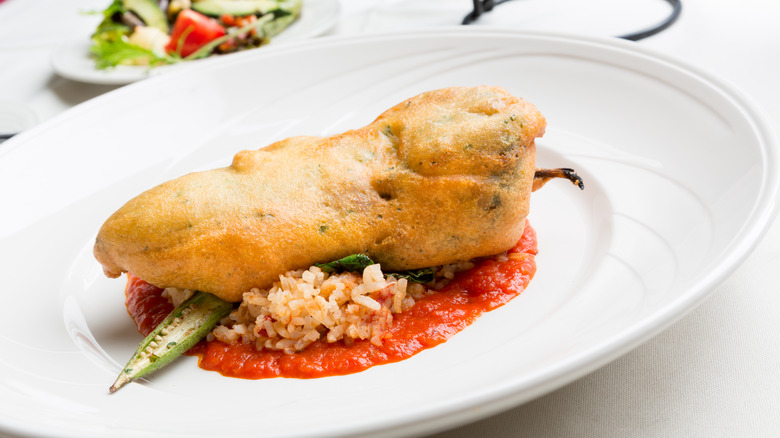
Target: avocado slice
point(283, 19)
point(149, 12)
point(216, 8)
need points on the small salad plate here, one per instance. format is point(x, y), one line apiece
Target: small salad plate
point(74, 61)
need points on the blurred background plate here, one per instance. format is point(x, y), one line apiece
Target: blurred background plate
point(72, 60)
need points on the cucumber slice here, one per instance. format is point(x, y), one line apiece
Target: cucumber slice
point(216, 8)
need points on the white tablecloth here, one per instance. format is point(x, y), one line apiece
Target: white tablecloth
point(715, 373)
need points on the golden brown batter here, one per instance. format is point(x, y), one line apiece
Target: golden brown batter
point(444, 176)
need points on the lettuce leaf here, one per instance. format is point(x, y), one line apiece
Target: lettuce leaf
point(110, 52)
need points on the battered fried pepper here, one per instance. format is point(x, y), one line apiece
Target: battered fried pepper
point(444, 176)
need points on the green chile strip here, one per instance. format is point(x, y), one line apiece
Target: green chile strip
point(358, 262)
point(181, 329)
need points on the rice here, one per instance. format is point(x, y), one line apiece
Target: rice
point(308, 305)
point(176, 296)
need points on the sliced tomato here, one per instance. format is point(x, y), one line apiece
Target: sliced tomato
point(191, 31)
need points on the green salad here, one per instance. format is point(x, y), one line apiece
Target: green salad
point(158, 32)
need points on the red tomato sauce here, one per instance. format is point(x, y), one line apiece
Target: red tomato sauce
point(429, 322)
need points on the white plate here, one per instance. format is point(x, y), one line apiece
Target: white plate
point(73, 61)
point(681, 182)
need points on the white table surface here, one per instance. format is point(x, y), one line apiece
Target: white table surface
point(716, 372)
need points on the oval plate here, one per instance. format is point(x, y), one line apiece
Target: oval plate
point(681, 182)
